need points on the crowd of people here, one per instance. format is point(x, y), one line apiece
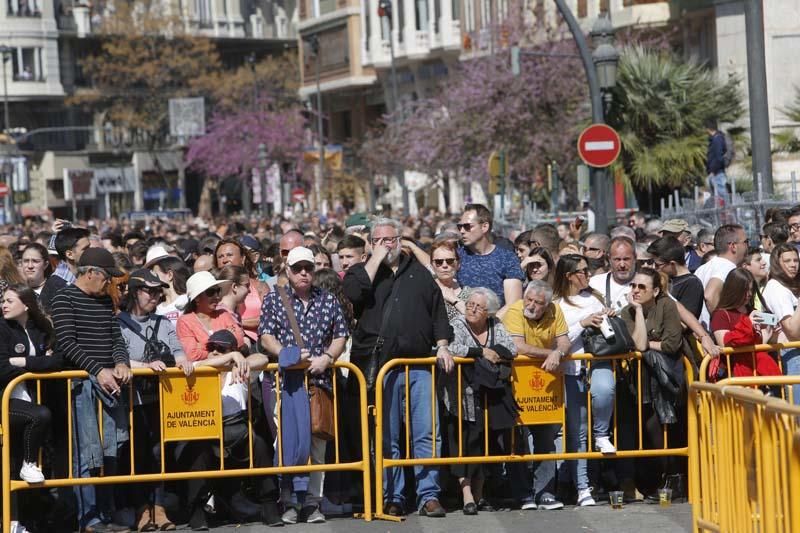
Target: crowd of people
point(111, 297)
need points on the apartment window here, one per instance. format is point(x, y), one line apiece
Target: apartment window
point(322, 7)
point(583, 10)
point(202, 12)
point(469, 15)
point(27, 64)
point(24, 8)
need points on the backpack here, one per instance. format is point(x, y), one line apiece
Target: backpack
point(730, 151)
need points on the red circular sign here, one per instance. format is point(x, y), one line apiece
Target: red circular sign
point(599, 145)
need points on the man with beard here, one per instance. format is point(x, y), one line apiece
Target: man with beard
point(615, 285)
point(539, 331)
point(401, 313)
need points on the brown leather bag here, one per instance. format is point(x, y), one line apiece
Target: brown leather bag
point(319, 400)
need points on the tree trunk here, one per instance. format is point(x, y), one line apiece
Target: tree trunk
point(204, 205)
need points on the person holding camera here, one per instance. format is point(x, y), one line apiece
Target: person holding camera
point(152, 343)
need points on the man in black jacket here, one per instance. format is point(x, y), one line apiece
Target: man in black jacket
point(401, 313)
point(715, 161)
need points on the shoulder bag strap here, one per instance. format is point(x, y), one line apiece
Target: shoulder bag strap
point(131, 327)
point(608, 290)
point(287, 305)
point(387, 309)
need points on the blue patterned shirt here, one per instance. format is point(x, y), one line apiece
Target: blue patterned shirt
point(320, 323)
point(489, 270)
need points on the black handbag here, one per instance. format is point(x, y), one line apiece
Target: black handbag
point(621, 342)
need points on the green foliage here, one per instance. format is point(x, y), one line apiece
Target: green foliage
point(787, 140)
point(660, 107)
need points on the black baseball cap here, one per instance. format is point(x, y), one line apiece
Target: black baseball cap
point(100, 258)
point(144, 277)
point(224, 339)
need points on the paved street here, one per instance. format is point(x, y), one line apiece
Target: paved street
point(600, 519)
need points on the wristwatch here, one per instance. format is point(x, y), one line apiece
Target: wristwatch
point(561, 353)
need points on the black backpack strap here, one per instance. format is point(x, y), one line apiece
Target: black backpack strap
point(608, 290)
point(131, 327)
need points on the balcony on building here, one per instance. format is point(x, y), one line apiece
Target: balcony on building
point(420, 28)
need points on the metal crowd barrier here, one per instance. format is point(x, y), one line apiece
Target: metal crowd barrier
point(179, 394)
point(521, 362)
point(745, 458)
point(781, 383)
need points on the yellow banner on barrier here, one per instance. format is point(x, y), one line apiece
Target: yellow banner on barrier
point(540, 394)
point(190, 407)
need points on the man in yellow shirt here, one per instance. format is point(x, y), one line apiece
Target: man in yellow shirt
point(539, 330)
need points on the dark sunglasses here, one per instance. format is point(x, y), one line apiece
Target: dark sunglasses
point(300, 268)
point(212, 292)
point(584, 271)
point(646, 262)
point(535, 265)
point(285, 253)
point(450, 261)
point(152, 291)
point(640, 286)
point(465, 227)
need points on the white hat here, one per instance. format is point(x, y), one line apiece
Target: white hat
point(199, 283)
point(300, 254)
point(154, 255)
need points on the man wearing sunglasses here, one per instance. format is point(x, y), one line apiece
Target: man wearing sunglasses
point(483, 263)
point(323, 328)
point(401, 313)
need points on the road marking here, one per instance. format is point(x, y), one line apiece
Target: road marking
point(596, 146)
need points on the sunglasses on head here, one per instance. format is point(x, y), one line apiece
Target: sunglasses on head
point(450, 261)
point(301, 267)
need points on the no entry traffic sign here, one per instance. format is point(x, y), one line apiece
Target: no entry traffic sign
point(599, 145)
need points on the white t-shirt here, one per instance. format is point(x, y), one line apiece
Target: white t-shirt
point(619, 293)
point(781, 301)
point(174, 310)
point(583, 305)
point(716, 268)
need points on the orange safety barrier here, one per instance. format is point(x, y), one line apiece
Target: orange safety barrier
point(175, 387)
point(745, 461)
point(618, 361)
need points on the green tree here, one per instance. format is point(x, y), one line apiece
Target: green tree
point(660, 106)
point(787, 140)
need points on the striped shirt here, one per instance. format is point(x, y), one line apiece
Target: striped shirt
point(86, 333)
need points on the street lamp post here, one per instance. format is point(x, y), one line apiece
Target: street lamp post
point(606, 59)
point(6, 52)
point(385, 11)
point(313, 41)
point(598, 175)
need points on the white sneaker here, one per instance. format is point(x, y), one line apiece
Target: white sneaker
point(529, 506)
point(16, 527)
point(585, 498)
point(31, 472)
point(603, 445)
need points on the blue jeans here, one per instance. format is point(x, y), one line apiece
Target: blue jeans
point(95, 504)
point(718, 185)
point(544, 472)
point(791, 367)
point(419, 424)
point(602, 387)
point(575, 394)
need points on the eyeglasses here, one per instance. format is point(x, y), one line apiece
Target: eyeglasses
point(794, 227)
point(450, 261)
point(212, 292)
point(384, 240)
point(591, 249)
point(152, 291)
point(640, 286)
point(584, 271)
point(474, 306)
point(535, 265)
point(706, 244)
point(302, 267)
